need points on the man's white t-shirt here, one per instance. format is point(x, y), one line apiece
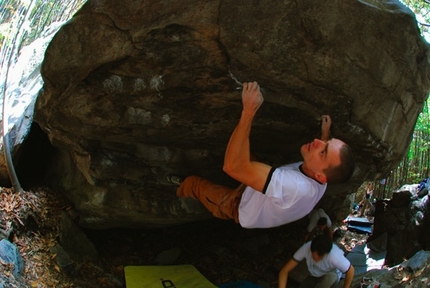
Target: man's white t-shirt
point(335, 260)
point(314, 216)
point(289, 195)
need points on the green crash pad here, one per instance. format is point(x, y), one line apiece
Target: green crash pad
point(179, 276)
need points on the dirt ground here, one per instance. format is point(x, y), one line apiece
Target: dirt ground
point(221, 250)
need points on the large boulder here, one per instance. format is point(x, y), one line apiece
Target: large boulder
point(405, 219)
point(137, 89)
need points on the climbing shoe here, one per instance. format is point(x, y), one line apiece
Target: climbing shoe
point(175, 179)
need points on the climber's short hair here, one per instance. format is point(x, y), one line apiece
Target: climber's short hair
point(321, 244)
point(342, 172)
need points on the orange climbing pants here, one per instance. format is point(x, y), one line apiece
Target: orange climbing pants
point(221, 201)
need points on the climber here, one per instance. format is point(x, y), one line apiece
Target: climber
point(269, 196)
point(325, 261)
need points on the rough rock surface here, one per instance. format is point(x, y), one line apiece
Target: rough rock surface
point(137, 89)
point(406, 220)
point(23, 85)
point(9, 254)
point(414, 272)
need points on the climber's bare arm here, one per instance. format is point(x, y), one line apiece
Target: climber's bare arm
point(237, 160)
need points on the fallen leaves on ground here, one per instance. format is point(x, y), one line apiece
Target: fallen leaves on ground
point(32, 217)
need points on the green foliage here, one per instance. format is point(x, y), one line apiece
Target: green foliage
point(421, 8)
point(415, 165)
point(47, 12)
point(28, 18)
